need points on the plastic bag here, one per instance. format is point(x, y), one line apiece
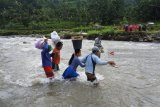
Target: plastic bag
point(55, 37)
point(39, 44)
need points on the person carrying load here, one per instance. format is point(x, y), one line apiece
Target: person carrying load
point(74, 62)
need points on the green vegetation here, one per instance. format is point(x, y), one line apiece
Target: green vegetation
point(91, 16)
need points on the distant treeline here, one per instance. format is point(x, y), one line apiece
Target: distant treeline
point(41, 14)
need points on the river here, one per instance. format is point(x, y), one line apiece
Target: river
point(135, 83)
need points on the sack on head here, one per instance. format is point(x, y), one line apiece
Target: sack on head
point(39, 44)
point(55, 37)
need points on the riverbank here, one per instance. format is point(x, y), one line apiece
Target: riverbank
point(121, 36)
point(114, 33)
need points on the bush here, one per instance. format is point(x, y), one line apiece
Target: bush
point(82, 28)
point(12, 25)
point(93, 32)
point(107, 31)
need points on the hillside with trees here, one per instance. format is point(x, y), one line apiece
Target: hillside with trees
point(68, 14)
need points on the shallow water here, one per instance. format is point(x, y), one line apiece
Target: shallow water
point(136, 83)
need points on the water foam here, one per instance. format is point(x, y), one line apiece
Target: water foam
point(39, 78)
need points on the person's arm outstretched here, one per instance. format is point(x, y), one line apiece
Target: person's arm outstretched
point(101, 62)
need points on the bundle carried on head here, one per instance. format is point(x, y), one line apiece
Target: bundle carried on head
point(77, 42)
point(39, 44)
point(55, 37)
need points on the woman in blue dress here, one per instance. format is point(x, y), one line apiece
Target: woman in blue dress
point(74, 62)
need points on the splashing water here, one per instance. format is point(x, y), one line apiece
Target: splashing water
point(135, 83)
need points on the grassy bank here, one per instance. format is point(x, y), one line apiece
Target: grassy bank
point(23, 32)
point(92, 31)
point(45, 27)
point(68, 29)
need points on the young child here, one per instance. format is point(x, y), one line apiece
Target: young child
point(90, 61)
point(74, 62)
point(56, 56)
point(46, 59)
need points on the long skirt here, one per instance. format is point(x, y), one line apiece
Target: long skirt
point(70, 73)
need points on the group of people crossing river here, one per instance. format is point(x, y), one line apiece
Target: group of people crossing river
point(50, 62)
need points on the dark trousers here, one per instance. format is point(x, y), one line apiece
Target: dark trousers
point(90, 77)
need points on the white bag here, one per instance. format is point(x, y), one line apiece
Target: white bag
point(55, 37)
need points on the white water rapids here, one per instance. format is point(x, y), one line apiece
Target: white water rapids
point(134, 84)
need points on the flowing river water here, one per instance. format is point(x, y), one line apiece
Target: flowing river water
point(135, 83)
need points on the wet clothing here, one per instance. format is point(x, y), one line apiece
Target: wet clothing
point(56, 56)
point(46, 58)
point(48, 71)
point(90, 61)
point(46, 61)
point(55, 67)
point(90, 77)
point(71, 72)
point(55, 59)
point(76, 62)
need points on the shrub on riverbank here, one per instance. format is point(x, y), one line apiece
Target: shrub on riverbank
point(23, 32)
point(90, 32)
